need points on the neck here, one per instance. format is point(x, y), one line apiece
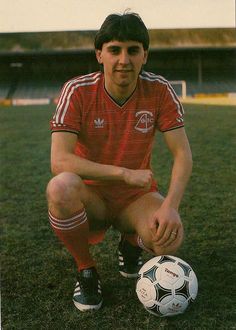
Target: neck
point(120, 93)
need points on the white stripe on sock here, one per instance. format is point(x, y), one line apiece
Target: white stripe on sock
point(68, 224)
point(142, 246)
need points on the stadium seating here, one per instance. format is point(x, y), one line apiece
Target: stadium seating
point(31, 89)
point(205, 71)
point(4, 89)
point(211, 87)
point(37, 89)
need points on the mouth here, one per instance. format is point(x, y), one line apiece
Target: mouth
point(123, 71)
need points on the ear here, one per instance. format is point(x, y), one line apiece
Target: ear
point(145, 57)
point(98, 55)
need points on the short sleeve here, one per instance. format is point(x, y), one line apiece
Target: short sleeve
point(170, 114)
point(67, 116)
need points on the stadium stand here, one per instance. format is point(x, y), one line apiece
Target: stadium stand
point(43, 82)
point(37, 89)
point(205, 70)
point(36, 72)
point(4, 89)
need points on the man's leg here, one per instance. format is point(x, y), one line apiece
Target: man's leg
point(74, 210)
point(134, 219)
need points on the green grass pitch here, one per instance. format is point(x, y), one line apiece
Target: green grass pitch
point(38, 275)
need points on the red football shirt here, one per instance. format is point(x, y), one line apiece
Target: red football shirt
point(112, 134)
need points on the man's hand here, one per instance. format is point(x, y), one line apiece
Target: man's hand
point(165, 226)
point(138, 178)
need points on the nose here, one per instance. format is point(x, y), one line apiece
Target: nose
point(124, 57)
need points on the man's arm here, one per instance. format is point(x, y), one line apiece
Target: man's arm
point(63, 159)
point(167, 217)
point(178, 145)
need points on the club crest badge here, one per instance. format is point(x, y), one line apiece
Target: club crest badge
point(145, 121)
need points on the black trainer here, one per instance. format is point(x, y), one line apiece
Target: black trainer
point(130, 259)
point(88, 293)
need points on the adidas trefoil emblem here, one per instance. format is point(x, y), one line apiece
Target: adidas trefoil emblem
point(98, 123)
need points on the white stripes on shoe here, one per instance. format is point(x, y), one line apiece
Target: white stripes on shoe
point(77, 291)
point(121, 258)
point(68, 224)
point(80, 297)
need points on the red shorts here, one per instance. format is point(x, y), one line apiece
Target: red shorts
point(116, 197)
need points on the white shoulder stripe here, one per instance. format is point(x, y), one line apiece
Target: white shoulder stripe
point(152, 77)
point(68, 91)
point(67, 85)
point(62, 111)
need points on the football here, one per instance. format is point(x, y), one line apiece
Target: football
point(166, 285)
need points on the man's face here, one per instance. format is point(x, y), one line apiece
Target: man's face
point(122, 62)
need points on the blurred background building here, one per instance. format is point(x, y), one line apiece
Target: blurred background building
point(34, 65)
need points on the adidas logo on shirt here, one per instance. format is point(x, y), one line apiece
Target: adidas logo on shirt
point(99, 123)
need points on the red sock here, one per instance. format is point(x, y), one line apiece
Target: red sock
point(74, 232)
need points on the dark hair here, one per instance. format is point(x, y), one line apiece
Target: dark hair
point(122, 27)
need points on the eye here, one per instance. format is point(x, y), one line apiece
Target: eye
point(114, 50)
point(134, 50)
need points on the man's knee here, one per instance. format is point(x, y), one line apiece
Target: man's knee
point(64, 188)
point(168, 250)
point(158, 250)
